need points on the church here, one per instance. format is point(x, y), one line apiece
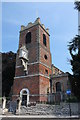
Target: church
point(35, 76)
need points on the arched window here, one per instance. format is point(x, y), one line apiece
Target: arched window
point(58, 87)
point(28, 38)
point(44, 39)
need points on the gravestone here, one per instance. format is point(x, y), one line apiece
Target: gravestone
point(4, 104)
point(19, 105)
point(12, 107)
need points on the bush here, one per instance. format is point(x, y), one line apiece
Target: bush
point(72, 99)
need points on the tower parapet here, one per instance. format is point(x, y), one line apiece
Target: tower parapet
point(30, 24)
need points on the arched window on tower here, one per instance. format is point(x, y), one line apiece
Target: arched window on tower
point(28, 38)
point(58, 87)
point(44, 39)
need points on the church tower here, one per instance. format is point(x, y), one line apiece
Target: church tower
point(33, 63)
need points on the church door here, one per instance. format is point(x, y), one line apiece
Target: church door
point(24, 94)
point(24, 98)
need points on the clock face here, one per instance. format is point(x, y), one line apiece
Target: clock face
point(24, 54)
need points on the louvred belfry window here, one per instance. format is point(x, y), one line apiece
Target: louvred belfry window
point(44, 40)
point(28, 38)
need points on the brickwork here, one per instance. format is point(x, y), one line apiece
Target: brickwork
point(33, 69)
point(63, 79)
point(47, 39)
point(23, 33)
point(42, 69)
point(44, 86)
point(39, 68)
point(55, 70)
point(26, 82)
point(44, 52)
point(19, 71)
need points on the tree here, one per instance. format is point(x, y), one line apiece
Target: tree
point(74, 49)
point(8, 72)
point(77, 5)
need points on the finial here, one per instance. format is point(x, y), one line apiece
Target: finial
point(47, 30)
point(43, 26)
point(22, 27)
point(30, 23)
point(38, 20)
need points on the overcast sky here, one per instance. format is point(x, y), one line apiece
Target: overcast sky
point(61, 19)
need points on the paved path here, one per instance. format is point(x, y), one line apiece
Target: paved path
point(39, 117)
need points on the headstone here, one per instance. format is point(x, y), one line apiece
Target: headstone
point(12, 107)
point(19, 105)
point(4, 104)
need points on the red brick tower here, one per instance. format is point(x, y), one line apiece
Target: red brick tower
point(32, 74)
